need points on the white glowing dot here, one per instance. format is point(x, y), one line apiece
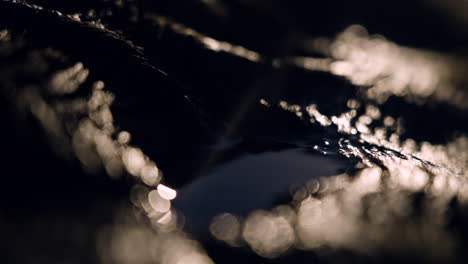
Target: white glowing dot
point(226, 227)
point(158, 203)
point(389, 121)
point(99, 85)
point(134, 160)
point(150, 175)
point(124, 137)
point(166, 192)
point(268, 235)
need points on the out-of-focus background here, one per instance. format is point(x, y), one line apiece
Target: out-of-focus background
point(212, 131)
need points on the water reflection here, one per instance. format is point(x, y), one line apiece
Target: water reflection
point(227, 228)
point(75, 113)
point(208, 42)
point(251, 182)
point(374, 210)
point(267, 234)
point(375, 206)
point(389, 69)
point(130, 242)
point(396, 198)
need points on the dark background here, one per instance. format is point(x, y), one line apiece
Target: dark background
point(51, 209)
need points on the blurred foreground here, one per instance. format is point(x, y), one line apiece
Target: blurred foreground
point(216, 131)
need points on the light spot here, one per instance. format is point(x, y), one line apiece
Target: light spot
point(134, 160)
point(226, 227)
point(124, 137)
point(166, 192)
point(158, 203)
point(267, 234)
point(150, 174)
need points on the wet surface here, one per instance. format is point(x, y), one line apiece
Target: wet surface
point(143, 132)
point(252, 181)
